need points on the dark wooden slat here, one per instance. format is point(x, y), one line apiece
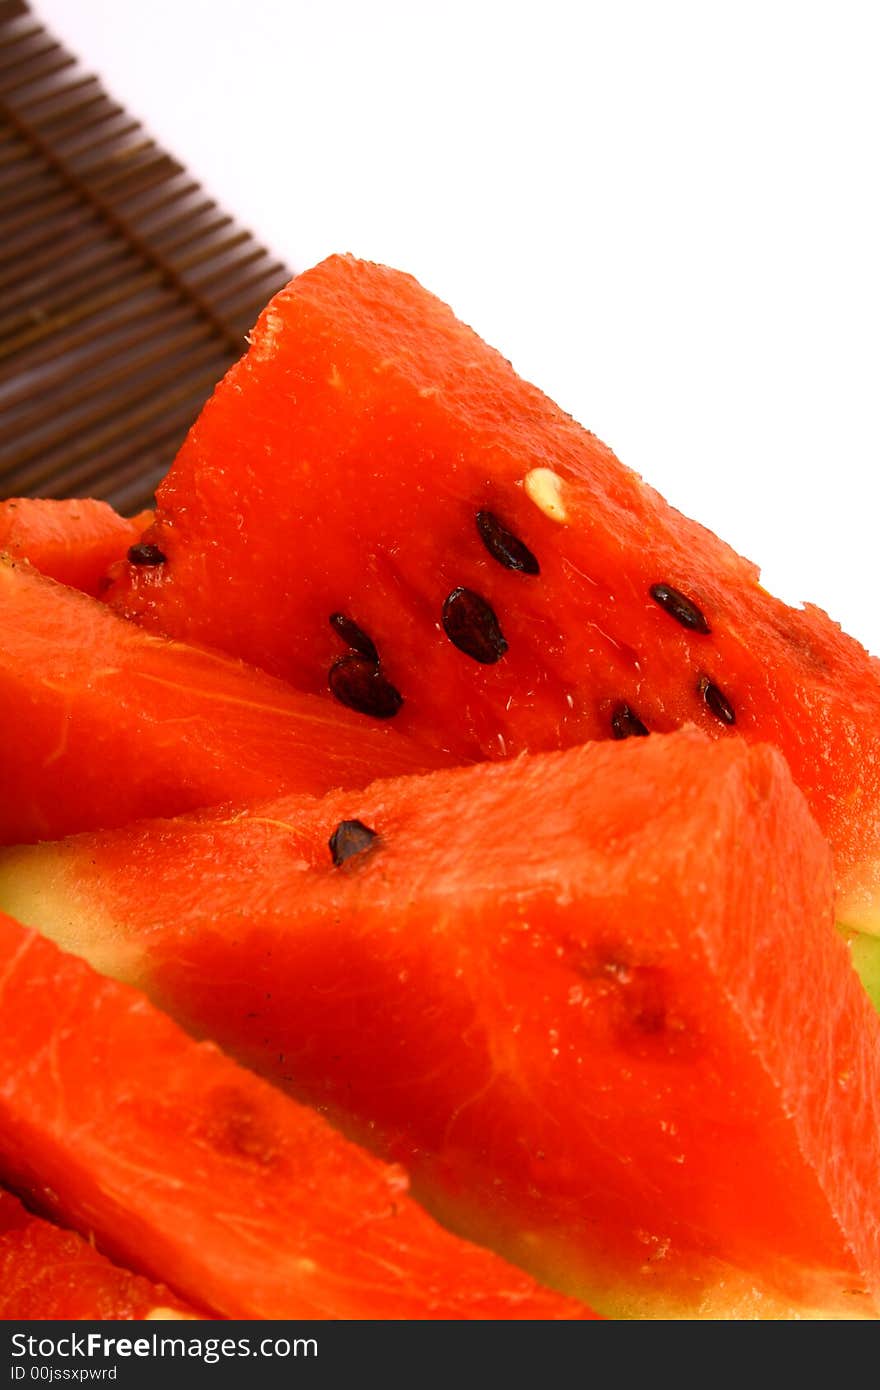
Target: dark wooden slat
point(49, 257)
point(83, 138)
point(121, 316)
point(34, 214)
point(209, 250)
point(176, 196)
point(91, 443)
point(72, 118)
point(127, 183)
point(251, 289)
point(29, 71)
point(23, 174)
point(193, 228)
point(15, 252)
point(23, 47)
point(73, 276)
point(96, 380)
point(27, 192)
point(168, 218)
point(83, 356)
point(77, 358)
point(91, 412)
point(77, 290)
point(35, 103)
point(102, 152)
point(77, 313)
point(125, 291)
point(11, 10)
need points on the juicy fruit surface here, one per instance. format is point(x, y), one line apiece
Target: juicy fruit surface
point(340, 468)
point(592, 999)
point(194, 1171)
point(103, 722)
point(46, 1272)
point(72, 541)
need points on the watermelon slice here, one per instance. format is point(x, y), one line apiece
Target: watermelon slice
point(103, 722)
point(46, 1272)
point(371, 459)
point(592, 999)
point(193, 1171)
point(74, 541)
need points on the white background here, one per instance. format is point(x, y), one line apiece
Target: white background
point(666, 214)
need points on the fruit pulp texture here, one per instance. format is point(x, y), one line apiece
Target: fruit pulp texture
point(103, 722)
point(72, 541)
point(47, 1272)
point(562, 1010)
point(194, 1171)
point(341, 466)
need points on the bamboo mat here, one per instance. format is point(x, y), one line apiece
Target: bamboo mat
point(125, 292)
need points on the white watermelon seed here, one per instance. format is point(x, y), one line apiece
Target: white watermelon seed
point(544, 488)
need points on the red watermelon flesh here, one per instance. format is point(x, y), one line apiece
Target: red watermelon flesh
point(341, 468)
point(194, 1171)
point(74, 541)
point(47, 1272)
point(592, 999)
point(103, 722)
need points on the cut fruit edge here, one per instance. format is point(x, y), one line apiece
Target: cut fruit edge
point(29, 875)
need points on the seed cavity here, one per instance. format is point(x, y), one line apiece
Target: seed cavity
point(679, 607)
point(357, 682)
point(354, 637)
point(350, 837)
point(626, 724)
point(471, 625)
point(716, 700)
point(143, 554)
point(504, 546)
point(544, 488)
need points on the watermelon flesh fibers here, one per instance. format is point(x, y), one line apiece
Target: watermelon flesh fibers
point(103, 723)
point(72, 541)
point(371, 457)
point(592, 1000)
point(46, 1272)
point(194, 1171)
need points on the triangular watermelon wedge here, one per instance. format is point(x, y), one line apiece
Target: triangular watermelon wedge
point(593, 1000)
point(370, 460)
point(47, 1272)
point(74, 541)
point(103, 723)
point(193, 1171)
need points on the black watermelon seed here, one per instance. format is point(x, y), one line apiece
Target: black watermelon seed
point(679, 607)
point(716, 701)
point(350, 837)
point(626, 724)
point(470, 624)
point(358, 683)
point(504, 546)
point(354, 636)
point(142, 554)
